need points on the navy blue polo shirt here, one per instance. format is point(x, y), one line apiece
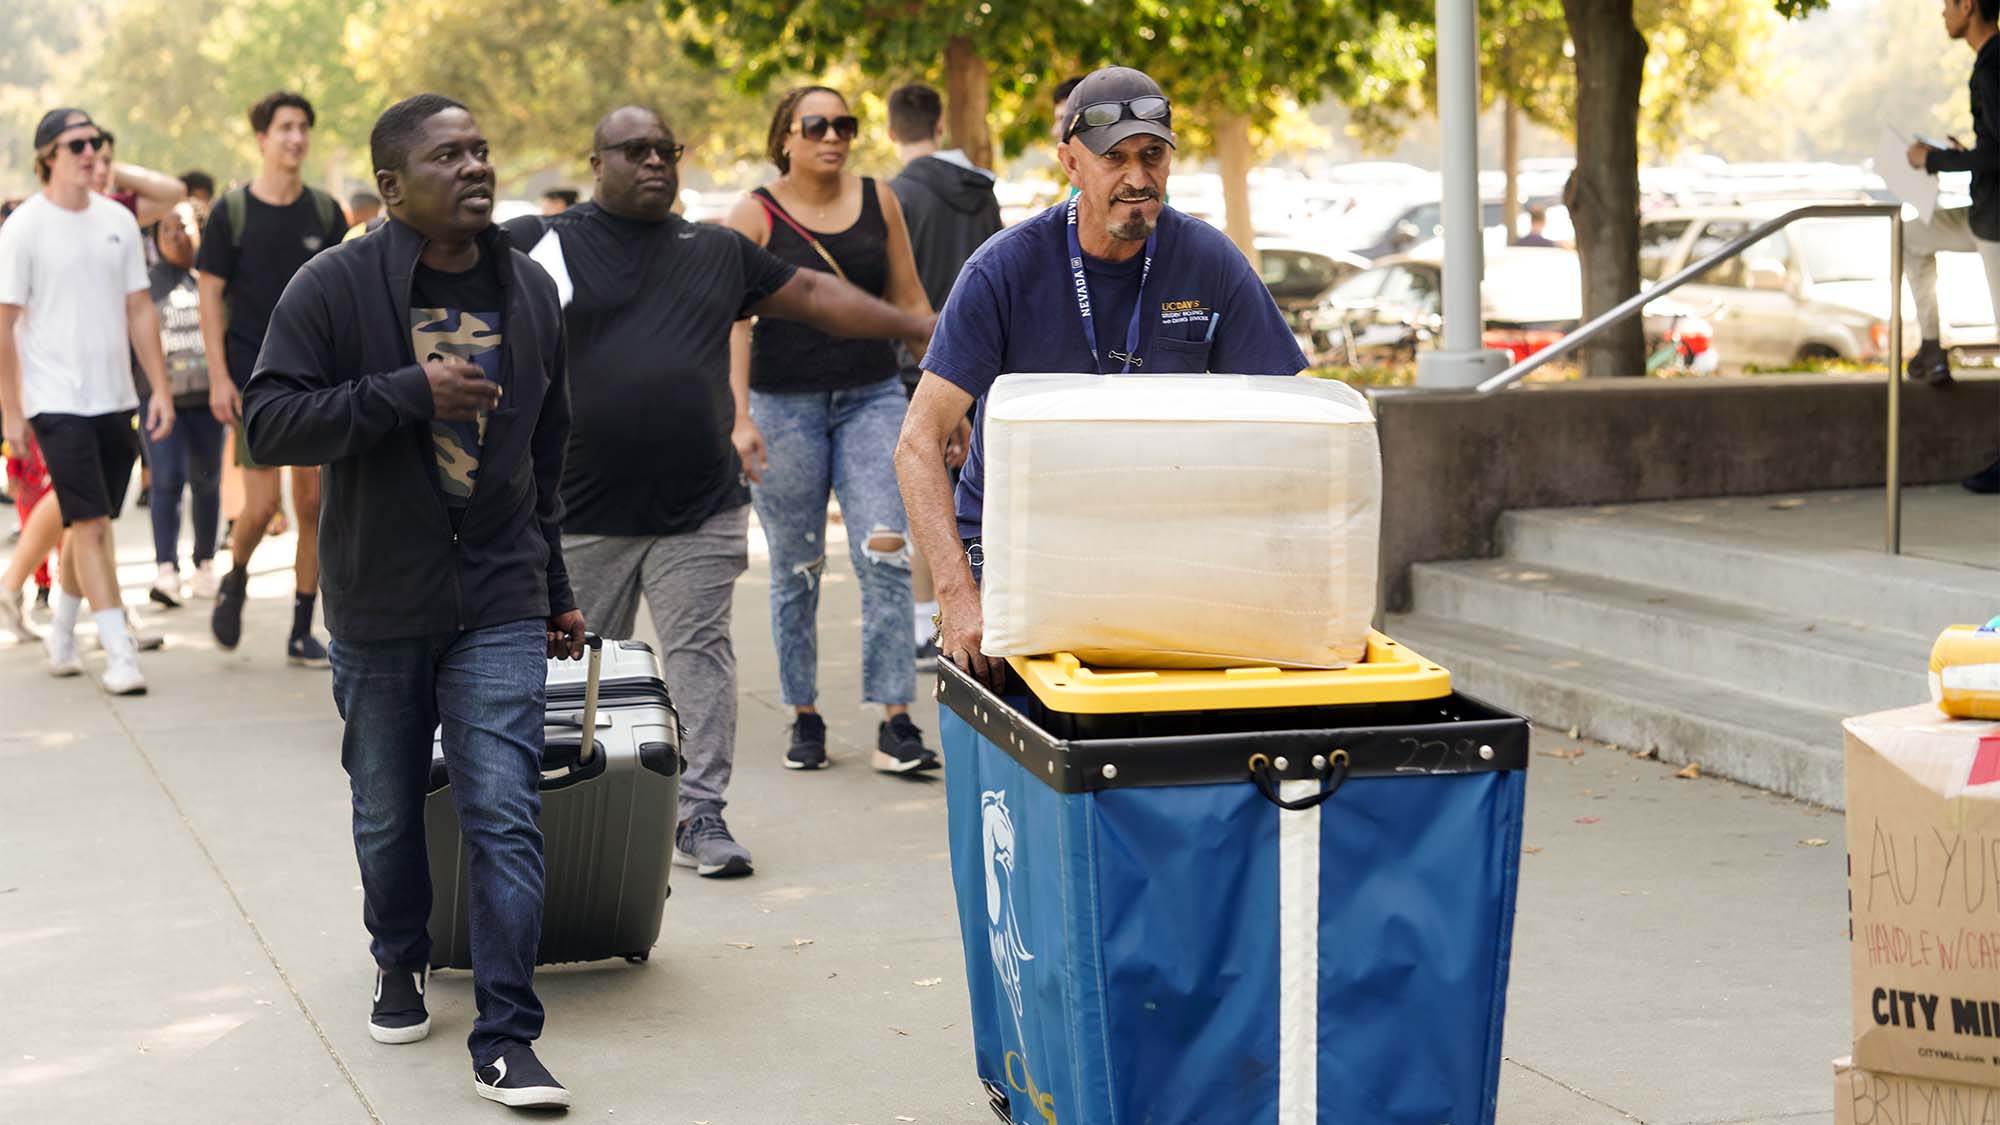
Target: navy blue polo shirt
point(1014, 309)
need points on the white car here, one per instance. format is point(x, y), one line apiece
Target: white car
point(1817, 289)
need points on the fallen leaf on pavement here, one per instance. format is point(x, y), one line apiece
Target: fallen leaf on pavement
point(1586, 820)
point(1575, 732)
point(1531, 849)
point(900, 1117)
point(900, 1032)
point(739, 945)
point(1565, 754)
point(1690, 772)
point(1645, 755)
point(801, 942)
point(1815, 842)
point(1788, 504)
point(928, 982)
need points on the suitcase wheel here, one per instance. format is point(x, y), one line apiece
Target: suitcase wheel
point(638, 958)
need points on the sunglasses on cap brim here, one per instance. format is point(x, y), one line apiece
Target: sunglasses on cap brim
point(814, 128)
point(1100, 114)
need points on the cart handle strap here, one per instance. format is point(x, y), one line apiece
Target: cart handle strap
point(1332, 771)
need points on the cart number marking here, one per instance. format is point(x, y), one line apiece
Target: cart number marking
point(1438, 756)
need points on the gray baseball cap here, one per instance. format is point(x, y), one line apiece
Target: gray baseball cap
point(1133, 92)
point(56, 122)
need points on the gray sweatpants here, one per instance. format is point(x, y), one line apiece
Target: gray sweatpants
point(1950, 229)
point(688, 581)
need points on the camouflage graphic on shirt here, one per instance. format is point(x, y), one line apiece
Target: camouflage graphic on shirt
point(475, 338)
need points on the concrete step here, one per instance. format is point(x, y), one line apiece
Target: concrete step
point(1769, 743)
point(1678, 547)
point(1817, 663)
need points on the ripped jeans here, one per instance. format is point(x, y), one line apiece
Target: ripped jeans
point(843, 442)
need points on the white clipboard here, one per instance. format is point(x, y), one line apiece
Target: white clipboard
point(1913, 186)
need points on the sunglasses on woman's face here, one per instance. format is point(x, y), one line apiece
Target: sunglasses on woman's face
point(814, 128)
point(94, 144)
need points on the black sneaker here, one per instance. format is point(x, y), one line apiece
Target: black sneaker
point(519, 1079)
point(1986, 481)
point(399, 1015)
point(1929, 364)
point(927, 656)
point(808, 750)
point(227, 621)
point(305, 651)
point(899, 747)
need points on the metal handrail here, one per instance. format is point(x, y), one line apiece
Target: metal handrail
point(1633, 305)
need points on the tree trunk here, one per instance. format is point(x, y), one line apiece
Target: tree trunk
point(1232, 154)
point(1603, 193)
point(1510, 163)
point(967, 95)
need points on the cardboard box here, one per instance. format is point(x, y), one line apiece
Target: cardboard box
point(1923, 861)
point(1868, 1097)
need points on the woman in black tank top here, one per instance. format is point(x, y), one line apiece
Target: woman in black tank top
point(823, 414)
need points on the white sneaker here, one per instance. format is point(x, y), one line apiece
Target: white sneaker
point(63, 660)
point(14, 620)
point(166, 589)
point(145, 640)
point(204, 584)
point(121, 676)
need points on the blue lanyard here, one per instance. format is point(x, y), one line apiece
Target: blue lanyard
point(1130, 355)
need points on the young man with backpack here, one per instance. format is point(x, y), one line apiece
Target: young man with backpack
point(257, 237)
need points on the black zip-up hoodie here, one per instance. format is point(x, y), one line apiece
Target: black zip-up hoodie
point(951, 211)
point(338, 385)
point(1983, 158)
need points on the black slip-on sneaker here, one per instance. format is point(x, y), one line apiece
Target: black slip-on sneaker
point(399, 1015)
point(517, 1078)
point(899, 747)
point(808, 750)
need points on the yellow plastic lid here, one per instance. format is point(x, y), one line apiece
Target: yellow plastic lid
point(1388, 673)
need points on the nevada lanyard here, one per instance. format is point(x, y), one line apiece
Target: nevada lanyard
point(1130, 355)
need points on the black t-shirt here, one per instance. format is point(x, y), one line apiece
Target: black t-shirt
point(648, 326)
point(458, 314)
point(255, 269)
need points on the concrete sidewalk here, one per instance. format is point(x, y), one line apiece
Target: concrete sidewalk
point(180, 933)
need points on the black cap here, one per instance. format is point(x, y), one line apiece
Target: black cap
point(1114, 84)
point(55, 122)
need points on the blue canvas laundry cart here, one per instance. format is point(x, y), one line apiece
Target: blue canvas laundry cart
point(1243, 897)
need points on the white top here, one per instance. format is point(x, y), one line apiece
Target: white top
point(70, 272)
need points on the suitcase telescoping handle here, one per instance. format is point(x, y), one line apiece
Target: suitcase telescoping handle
point(1332, 771)
point(594, 657)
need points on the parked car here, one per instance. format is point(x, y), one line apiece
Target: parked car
point(1533, 296)
point(1815, 290)
point(1394, 224)
point(1298, 275)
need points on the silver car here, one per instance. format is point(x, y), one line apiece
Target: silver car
point(1816, 290)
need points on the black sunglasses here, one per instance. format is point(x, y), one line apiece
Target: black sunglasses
point(94, 144)
point(638, 151)
point(1100, 114)
point(814, 128)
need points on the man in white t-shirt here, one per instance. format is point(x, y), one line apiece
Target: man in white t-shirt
point(73, 293)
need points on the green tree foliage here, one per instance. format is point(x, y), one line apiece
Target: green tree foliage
point(175, 78)
point(39, 39)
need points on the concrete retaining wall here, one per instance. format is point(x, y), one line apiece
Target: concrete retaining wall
point(1452, 463)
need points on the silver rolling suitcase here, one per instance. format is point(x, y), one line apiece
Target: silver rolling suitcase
point(609, 807)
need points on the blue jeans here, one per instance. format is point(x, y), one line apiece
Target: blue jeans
point(843, 442)
point(190, 457)
point(488, 689)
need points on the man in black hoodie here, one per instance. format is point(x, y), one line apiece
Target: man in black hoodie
point(951, 211)
point(1977, 23)
point(423, 366)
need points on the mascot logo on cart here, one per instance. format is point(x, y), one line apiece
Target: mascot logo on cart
point(1003, 928)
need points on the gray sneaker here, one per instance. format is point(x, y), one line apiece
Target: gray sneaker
point(703, 842)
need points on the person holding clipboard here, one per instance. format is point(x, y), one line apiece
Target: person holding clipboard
point(1110, 280)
